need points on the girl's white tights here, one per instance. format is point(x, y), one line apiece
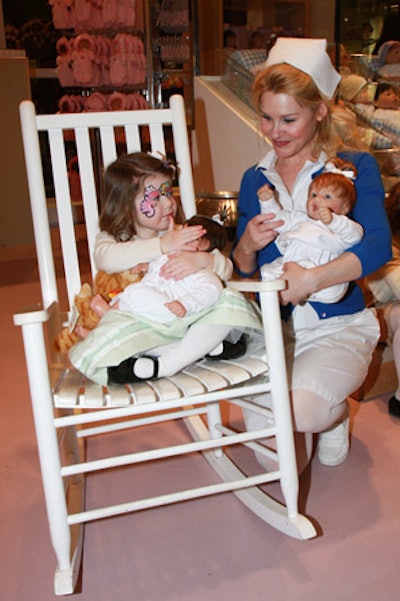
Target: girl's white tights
point(199, 341)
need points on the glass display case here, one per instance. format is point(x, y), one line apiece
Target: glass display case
point(363, 32)
point(364, 25)
point(256, 32)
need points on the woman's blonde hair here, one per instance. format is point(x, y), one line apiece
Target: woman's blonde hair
point(331, 134)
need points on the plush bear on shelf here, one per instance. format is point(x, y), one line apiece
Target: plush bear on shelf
point(85, 313)
point(64, 62)
point(84, 67)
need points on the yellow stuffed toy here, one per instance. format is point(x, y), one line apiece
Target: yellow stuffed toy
point(85, 313)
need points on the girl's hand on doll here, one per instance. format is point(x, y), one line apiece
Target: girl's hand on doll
point(260, 231)
point(177, 239)
point(176, 308)
point(180, 265)
point(140, 268)
point(299, 283)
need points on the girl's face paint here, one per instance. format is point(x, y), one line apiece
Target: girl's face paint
point(152, 197)
point(156, 208)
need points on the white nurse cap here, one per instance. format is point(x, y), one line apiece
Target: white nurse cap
point(310, 56)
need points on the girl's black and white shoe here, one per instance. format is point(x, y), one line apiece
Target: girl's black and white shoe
point(133, 369)
point(230, 350)
point(394, 406)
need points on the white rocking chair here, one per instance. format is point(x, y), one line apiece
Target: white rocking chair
point(68, 408)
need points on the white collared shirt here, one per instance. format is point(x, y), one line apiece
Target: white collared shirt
point(298, 198)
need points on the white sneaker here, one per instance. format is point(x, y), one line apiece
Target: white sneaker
point(333, 445)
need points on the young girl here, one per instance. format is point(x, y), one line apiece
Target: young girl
point(323, 232)
point(137, 225)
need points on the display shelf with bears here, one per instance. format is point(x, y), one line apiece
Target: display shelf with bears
point(101, 54)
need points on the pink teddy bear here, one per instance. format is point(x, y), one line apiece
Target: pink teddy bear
point(64, 62)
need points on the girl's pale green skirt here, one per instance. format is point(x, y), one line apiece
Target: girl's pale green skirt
point(120, 335)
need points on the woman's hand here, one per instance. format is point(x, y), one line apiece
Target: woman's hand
point(260, 231)
point(299, 283)
point(180, 265)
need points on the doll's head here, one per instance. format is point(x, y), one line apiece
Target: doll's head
point(389, 53)
point(386, 97)
point(256, 40)
point(215, 236)
point(344, 57)
point(230, 39)
point(354, 88)
point(333, 188)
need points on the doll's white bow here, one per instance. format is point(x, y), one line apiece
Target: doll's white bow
point(331, 168)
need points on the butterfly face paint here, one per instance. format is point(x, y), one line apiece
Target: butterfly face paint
point(152, 197)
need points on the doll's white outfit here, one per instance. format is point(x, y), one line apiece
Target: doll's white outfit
point(176, 344)
point(391, 71)
point(146, 298)
point(310, 243)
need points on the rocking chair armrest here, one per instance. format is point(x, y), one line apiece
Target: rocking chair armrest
point(34, 314)
point(257, 285)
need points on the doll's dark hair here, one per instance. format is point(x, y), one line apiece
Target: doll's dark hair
point(215, 233)
point(123, 181)
point(380, 88)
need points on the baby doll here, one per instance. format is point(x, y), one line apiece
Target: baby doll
point(159, 299)
point(386, 97)
point(389, 58)
point(323, 233)
point(384, 114)
point(85, 317)
point(344, 58)
point(354, 88)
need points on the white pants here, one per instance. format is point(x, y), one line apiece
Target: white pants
point(326, 362)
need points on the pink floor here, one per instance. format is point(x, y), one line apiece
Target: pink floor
point(204, 550)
